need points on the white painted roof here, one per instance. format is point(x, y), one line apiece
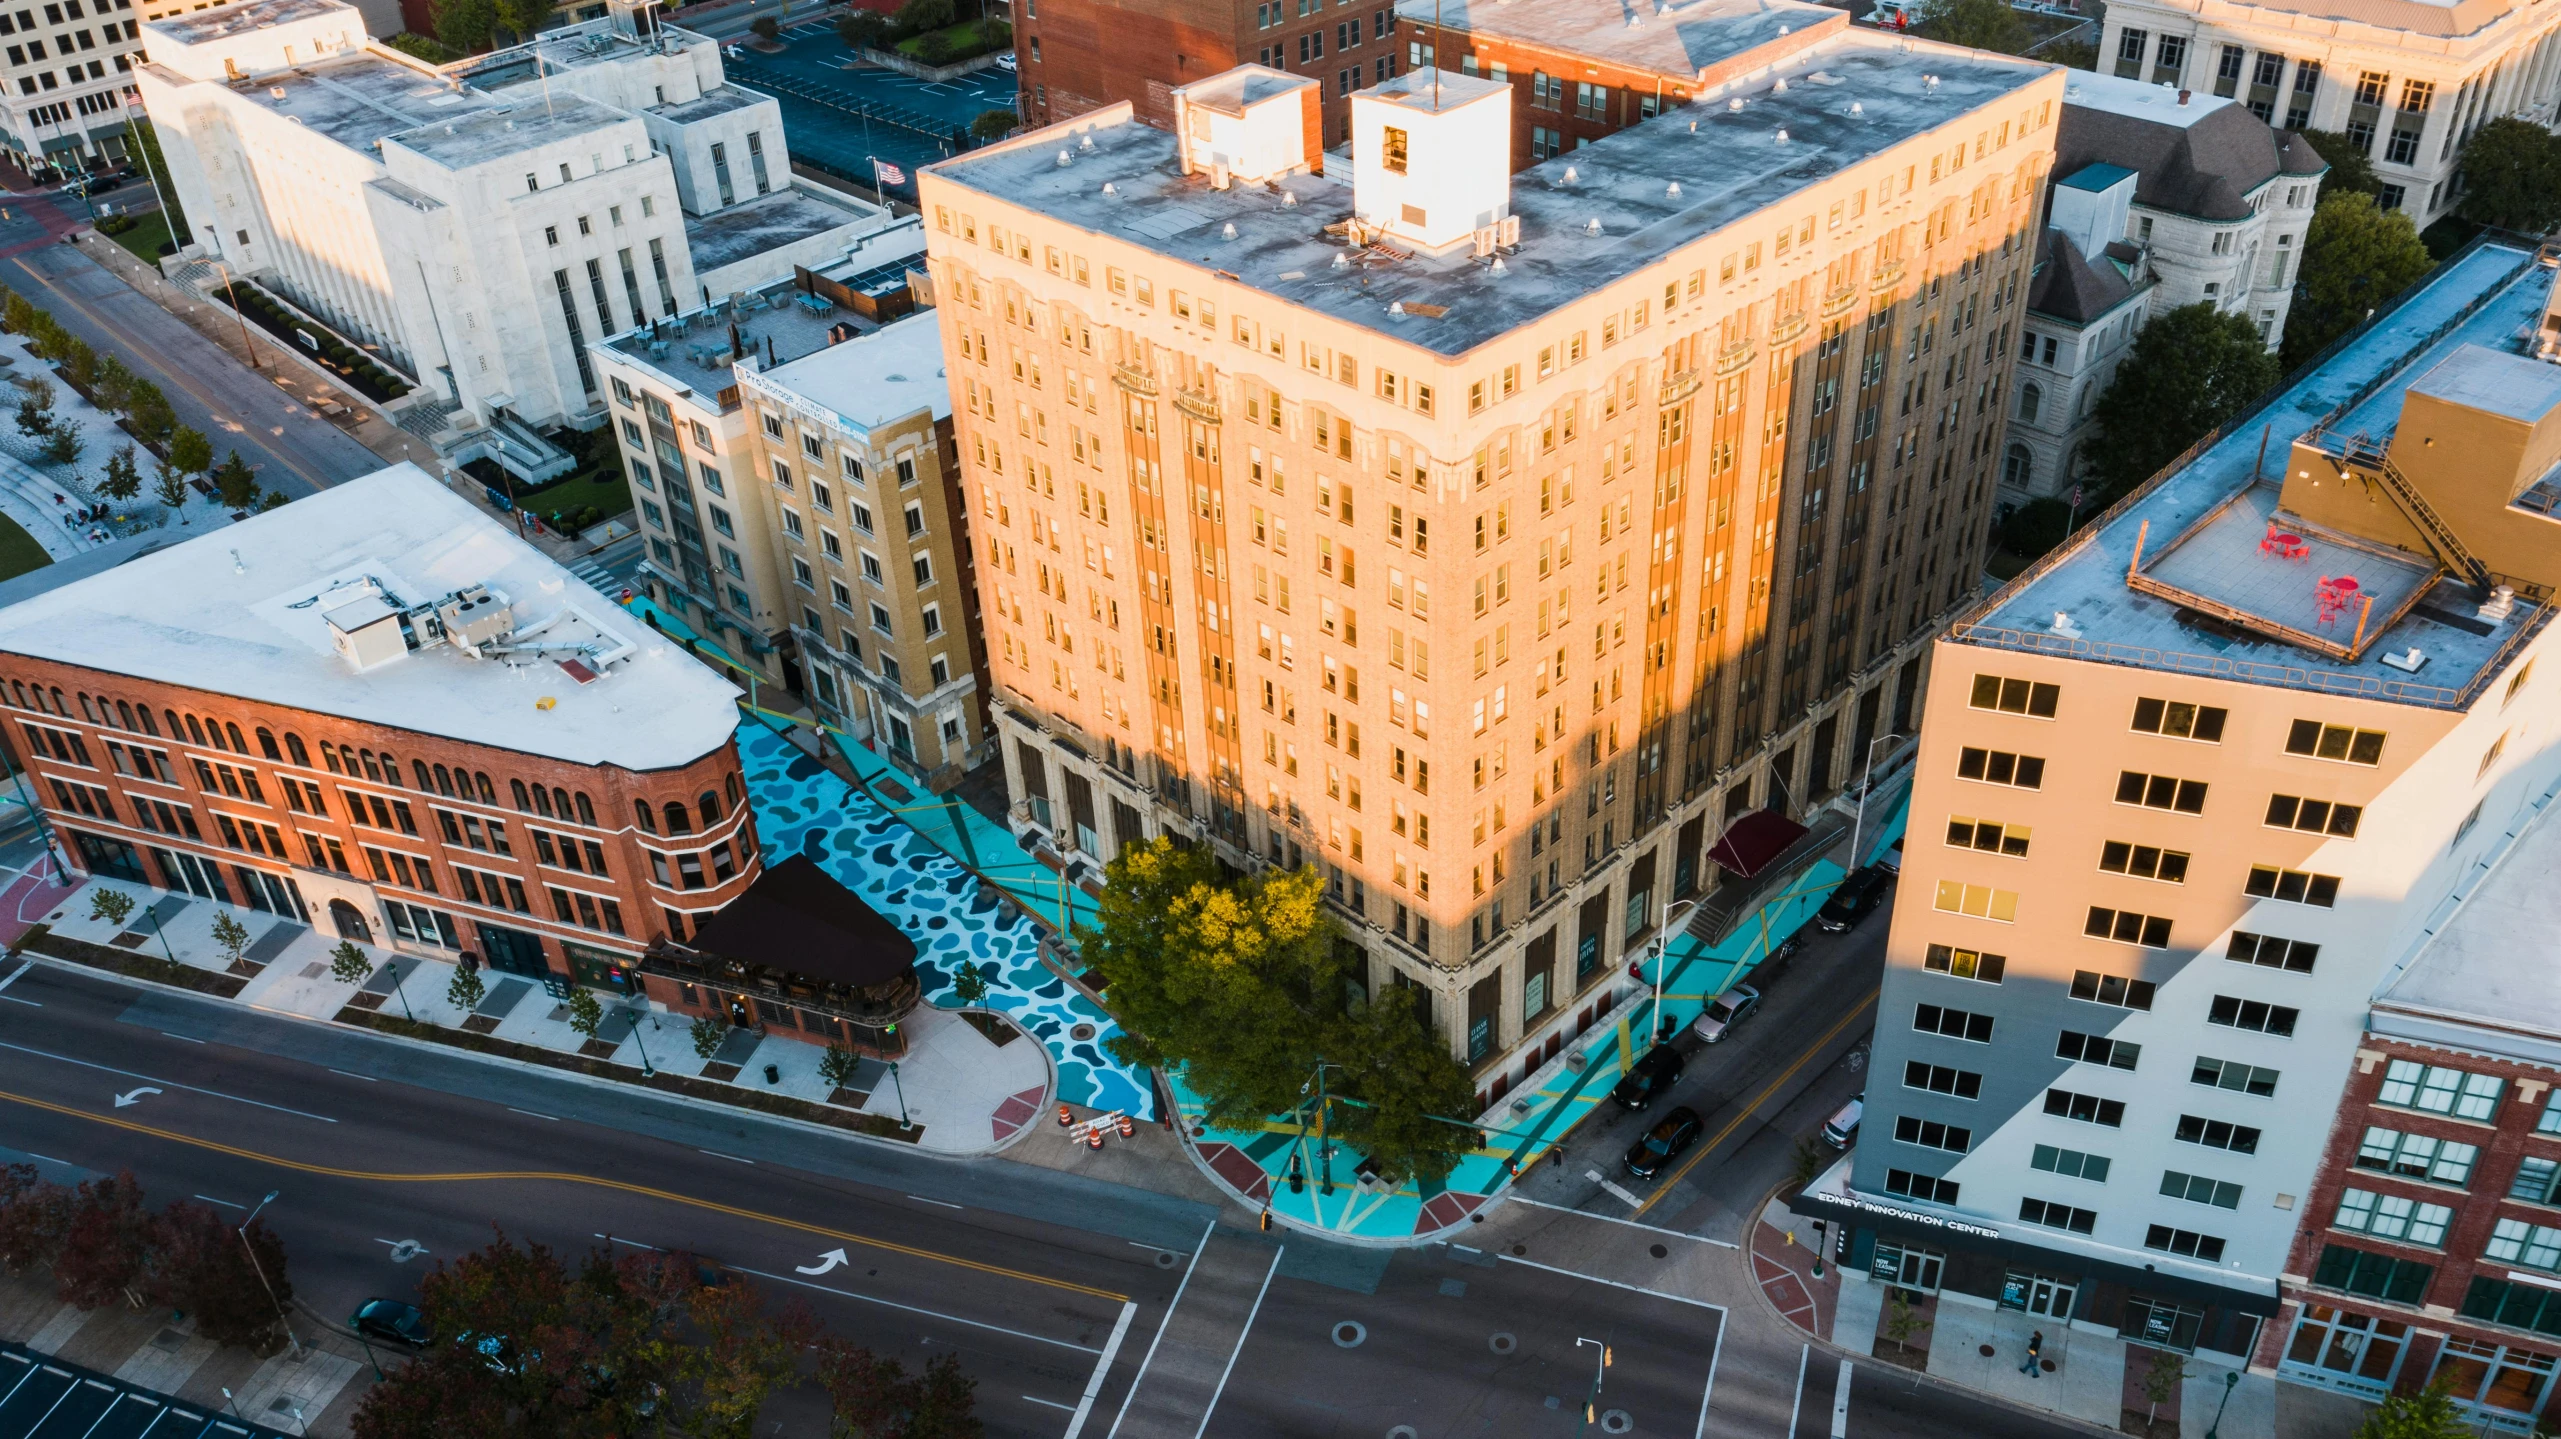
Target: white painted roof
point(235, 612)
point(875, 379)
point(2492, 962)
point(2137, 100)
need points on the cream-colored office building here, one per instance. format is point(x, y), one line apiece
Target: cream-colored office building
point(1490, 541)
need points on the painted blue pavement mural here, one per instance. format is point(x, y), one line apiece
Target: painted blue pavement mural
point(954, 917)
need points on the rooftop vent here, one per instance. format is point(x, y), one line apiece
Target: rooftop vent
point(1065, 159)
point(1227, 231)
point(1289, 199)
point(1782, 135)
point(1086, 142)
point(2408, 662)
point(1570, 176)
point(1734, 104)
point(1672, 191)
point(2063, 625)
point(1592, 226)
point(2502, 600)
point(1779, 86)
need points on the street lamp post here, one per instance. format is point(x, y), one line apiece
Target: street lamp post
point(1867, 781)
point(261, 1271)
point(2231, 1381)
point(901, 1091)
point(647, 1070)
point(233, 299)
point(1600, 1370)
point(1662, 957)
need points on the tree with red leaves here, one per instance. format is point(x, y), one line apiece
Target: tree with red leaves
point(200, 1265)
point(875, 1398)
point(104, 1245)
point(33, 1215)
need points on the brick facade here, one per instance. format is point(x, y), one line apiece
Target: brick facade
point(459, 847)
point(1080, 55)
point(2368, 1310)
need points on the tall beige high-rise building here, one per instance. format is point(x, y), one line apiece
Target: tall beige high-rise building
point(1487, 540)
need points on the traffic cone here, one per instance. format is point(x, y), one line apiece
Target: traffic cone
point(1066, 1118)
point(1128, 1127)
point(1094, 1137)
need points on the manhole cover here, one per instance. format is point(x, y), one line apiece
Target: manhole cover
point(1659, 1252)
point(1081, 1032)
point(1520, 1249)
point(1403, 1431)
point(1349, 1334)
point(1503, 1343)
point(406, 1250)
point(1164, 1260)
point(1987, 1350)
point(1617, 1421)
point(2045, 1364)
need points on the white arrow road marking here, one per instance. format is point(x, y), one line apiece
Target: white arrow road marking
point(829, 1260)
point(173, 1084)
point(135, 1096)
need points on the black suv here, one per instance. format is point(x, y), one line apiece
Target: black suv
point(1658, 1070)
point(1663, 1143)
point(1859, 893)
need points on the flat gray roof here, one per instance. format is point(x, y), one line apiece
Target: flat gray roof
point(691, 351)
point(718, 100)
point(239, 18)
point(1733, 167)
point(768, 222)
point(508, 127)
point(2502, 384)
point(359, 98)
point(2488, 297)
point(1687, 40)
point(874, 379)
point(2492, 963)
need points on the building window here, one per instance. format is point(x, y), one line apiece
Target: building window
point(2436, 1089)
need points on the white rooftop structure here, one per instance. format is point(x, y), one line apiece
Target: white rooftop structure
point(2137, 100)
point(866, 382)
point(391, 600)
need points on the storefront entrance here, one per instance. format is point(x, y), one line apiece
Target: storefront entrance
point(2497, 1384)
point(2355, 1353)
point(2039, 1294)
point(512, 951)
point(1907, 1266)
point(349, 922)
point(2160, 1323)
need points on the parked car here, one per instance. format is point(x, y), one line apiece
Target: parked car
point(1663, 1143)
point(1006, 62)
point(1842, 1129)
point(1860, 893)
point(1657, 1070)
point(392, 1322)
point(1726, 1011)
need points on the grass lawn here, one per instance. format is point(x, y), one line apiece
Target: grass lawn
point(607, 489)
point(146, 238)
point(19, 552)
point(960, 42)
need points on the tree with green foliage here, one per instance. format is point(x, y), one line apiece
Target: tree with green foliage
point(865, 30)
point(202, 1265)
point(994, 124)
point(1240, 983)
point(145, 142)
point(236, 482)
point(1976, 24)
point(838, 1066)
point(190, 453)
point(2187, 372)
point(111, 905)
point(2428, 1414)
point(968, 985)
point(170, 488)
point(147, 412)
point(2072, 54)
point(348, 964)
point(586, 1013)
point(35, 409)
point(62, 447)
point(122, 481)
point(2355, 259)
point(231, 937)
point(765, 28)
point(2161, 1380)
point(467, 989)
point(918, 16)
point(272, 500)
point(79, 363)
point(2512, 177)
point(114, 383)
point(706, 1034)
point(2350, 169)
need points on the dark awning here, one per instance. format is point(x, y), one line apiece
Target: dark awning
point(796, 918)
point(1750, 843)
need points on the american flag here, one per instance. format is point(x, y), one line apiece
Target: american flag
point(888, 174)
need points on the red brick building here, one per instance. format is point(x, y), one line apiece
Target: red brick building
point(1080, 55)
point(2429, 1247)
point(381, 714)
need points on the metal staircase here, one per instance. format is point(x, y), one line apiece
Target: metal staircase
point(2431, 525)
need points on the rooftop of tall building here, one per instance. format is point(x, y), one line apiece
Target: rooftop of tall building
point(2192, 153)
point(195, 27)
point(2204, 572)
point(1593, 217)
point(873, 379)
point(317, 606)
point(2486, 965)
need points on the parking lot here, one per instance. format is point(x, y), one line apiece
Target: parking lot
point(843, 115)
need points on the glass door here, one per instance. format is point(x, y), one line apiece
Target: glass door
point(2051, 1297)
point(2358, 1353)
point(2502, 1385)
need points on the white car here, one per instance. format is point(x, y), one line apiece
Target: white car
point(1007, 63)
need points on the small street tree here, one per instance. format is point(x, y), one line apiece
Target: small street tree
point(586, 1014)
point(865, 30)
point(111, 905)
point(968, 985)
point(122, 481)
point(201, 1264)
point(190, 453)
point(2355, 259)
point(2161, 1381)
point(169, 487)
point(147, 412)
point(231, 937)
point(706, 1033)
point(35, 409)
point(1903, 1321)
point(114, 384)
point(838, 1066)
point(62, 447)
point(467, 990)
point(236, 482)
point(2428, 1414)
point(765, 28)
point(348, 964)
point(2187, 372)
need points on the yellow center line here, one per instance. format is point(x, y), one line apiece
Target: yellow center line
point(500, 1175)
point(1757, 1101)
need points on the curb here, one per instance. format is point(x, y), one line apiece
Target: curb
point(610, 1085)
point(1442, 1235)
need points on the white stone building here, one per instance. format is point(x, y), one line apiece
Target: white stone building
point(69, 77)
point(2406, 80)
point(479, 226)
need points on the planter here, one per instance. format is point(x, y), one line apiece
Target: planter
point(999, 1030)
point(904, 65)
point(43, 941)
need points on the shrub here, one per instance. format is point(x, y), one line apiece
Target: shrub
point(766, 27)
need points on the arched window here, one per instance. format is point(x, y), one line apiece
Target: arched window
point(195, 731)
point(730, 783)
point(373, 767)
point(86, 712)
point(329, 756)
point(267, 743)
point(648, 821)
point(542, 801)
point(418, 771)
point(149, 726)
point(20, 691)
point(124, 714)
point(2031, 399)
point(238, 745)
point(444, 781)
point(586, 811)
point(523, 805)
point(560, 805)
point(487, 794)
point(746, 841)
point(391, 769)
point(57, 703)
point(710, 806)
point(2017, 467)
point(676, 819)
point(293, 747)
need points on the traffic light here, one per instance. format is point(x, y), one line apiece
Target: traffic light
point(1267, 1219)
point(1297, 1176)
point(1607, 1359)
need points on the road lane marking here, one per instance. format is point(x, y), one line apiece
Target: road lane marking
point(945, 1203)
point(1841, 1404)
point(932, 1313)
point(1612, 1283)
point(832, 1259)
point(554, 1118)
point(189, 1038)
point(171, 1083)
point(17, 974)
point(1796, 1410)
point(503, 1176)
point(1715, 1352)
point(225, 1203)
point(1630, 1223)
point(732, 1158)
point(367, 1078)
point(1241, 1336)
point(1054, 1404)
point(1162, 1325)
point(1102, 1369)
point(1611, 1187)
point(1758, 1100)
point(134, 1096)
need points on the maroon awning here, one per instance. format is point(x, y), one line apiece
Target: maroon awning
point(1749, 844)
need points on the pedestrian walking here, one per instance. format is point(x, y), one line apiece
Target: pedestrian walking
point(2035, 1348)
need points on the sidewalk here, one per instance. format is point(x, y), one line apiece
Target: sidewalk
point(965, 1094)
point(312, 1390)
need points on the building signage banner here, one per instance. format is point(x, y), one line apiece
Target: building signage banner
point(1847, 1205)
